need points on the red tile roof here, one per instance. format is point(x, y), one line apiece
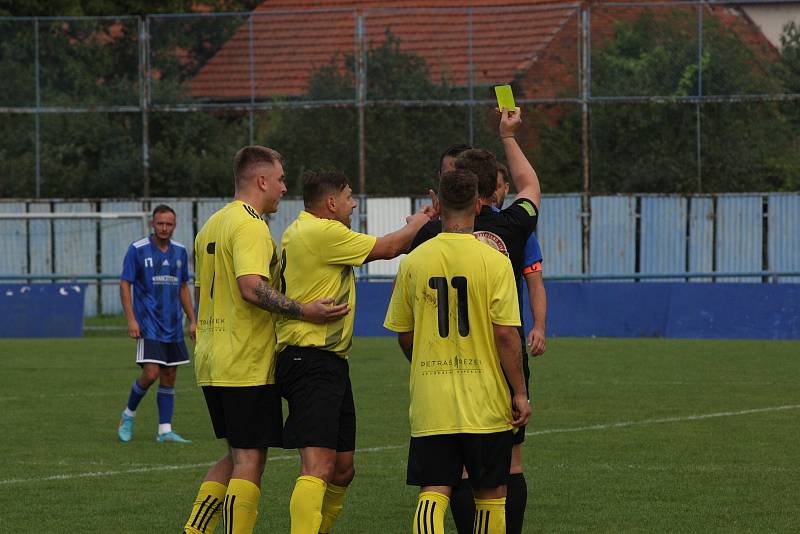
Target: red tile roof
point(536, 42)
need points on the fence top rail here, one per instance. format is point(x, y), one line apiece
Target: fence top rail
point(567, 277)
point(56, 18)
point(84, 215)
point(688, 3)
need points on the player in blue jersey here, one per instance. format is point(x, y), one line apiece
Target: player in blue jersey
point(156, 268)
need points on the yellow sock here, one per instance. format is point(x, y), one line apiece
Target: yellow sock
point(490, 516)
point(331, 506)
point(429, 517)
point(305, 507)
point(240, 508)
point(205, 512)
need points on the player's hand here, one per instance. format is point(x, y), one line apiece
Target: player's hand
point(537, 342)
point(421, 217)
point(510, 122)
point(193, 332)
point(323, 311)
point(133, 329)
point(437, 208)
point(520, 409)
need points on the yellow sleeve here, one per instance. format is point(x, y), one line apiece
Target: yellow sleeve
point(252, 249)
point(343, 246)
point(400, 315)
point(504, 308)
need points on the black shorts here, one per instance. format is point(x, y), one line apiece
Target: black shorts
point(316, 383)
point(519, 437)
point(163, 353)
point(439, 460)
point(248, 417)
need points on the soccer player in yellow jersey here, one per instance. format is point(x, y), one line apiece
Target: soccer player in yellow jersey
point(455, 310)
point(319, 251)
point(237, 266)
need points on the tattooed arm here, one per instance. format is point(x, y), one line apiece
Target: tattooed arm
point(257, 291)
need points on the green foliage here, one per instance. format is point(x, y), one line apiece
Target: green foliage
point(648, 147)
point(403, 143)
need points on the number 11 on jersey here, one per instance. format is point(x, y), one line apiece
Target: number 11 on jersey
point(459, 283)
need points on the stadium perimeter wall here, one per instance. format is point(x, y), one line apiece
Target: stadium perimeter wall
point(626, 234)
point(670, 310)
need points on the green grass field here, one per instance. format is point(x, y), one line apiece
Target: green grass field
point(626, 436)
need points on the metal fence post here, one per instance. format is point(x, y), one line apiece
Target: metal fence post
point(37, 115)
point(585, 47)
point(698, 107)
point(361, 96)
point(471, 78)
point(144, 100)
point(252, 79)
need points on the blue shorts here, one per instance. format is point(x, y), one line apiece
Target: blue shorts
point(162, 353)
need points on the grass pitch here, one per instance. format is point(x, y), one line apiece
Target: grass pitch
point(626, 436)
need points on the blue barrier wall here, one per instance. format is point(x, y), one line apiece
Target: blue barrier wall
point(41, 310)
point(672, 310)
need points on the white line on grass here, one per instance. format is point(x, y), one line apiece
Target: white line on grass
point(662, 420)
point(95, 474)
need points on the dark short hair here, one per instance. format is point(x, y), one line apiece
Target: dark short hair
point(483, 163)
point(162, 208)
point(458, 190)
point(453, 151)
point(251, 156)
point(502, 169)
point(318, 184)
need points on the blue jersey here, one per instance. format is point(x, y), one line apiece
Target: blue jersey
point(157, 278)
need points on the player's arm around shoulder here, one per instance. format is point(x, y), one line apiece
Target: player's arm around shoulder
point(393, 244)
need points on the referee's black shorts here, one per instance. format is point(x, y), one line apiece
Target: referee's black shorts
point(249, 417)
point(519, 437)
point(439, 460)
point(316, 384)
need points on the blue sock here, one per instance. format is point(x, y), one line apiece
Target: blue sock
point(166, 404)
point(136, 396)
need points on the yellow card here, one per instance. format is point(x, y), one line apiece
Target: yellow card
point(505, 98)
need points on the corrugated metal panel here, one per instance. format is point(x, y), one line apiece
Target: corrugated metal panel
point(784, 235)
point(116, 235)
point(184, 220)
point(560, 235)
point(701, 236)
point(13, 241)
point(613, 234)
point(386, 215)
point(206, 208)
point(41, 240)
point(739, 235)
point(287, 213)
point(76, 247)
point(663, 235)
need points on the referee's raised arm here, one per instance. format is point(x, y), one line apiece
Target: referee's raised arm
point(522, 174)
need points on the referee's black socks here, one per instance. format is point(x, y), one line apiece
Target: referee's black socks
point(462, 503)
point(516, 502)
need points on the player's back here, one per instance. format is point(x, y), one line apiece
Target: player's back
point(235, 339)
point(456, 288)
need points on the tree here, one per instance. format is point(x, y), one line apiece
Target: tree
point(403, 143)
point(651, 147)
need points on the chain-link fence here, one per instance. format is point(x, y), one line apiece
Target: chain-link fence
point(617, 97)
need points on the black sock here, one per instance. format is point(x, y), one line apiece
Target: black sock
point(516, 501)
point(462, 504)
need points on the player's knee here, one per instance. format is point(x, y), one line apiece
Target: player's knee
point(149, 376)
point(344, 475)
point(167, 376)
